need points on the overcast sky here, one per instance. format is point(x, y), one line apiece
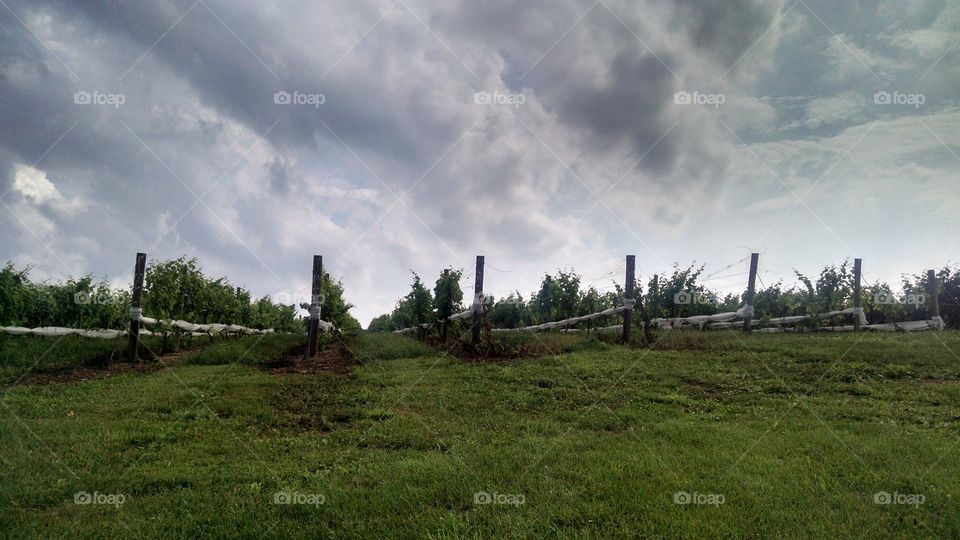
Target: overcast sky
point(402, 135)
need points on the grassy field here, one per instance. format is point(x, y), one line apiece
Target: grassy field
point(28, 354)
point(705, 435)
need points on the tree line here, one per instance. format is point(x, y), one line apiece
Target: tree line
point(682, 293)
point(173, 289)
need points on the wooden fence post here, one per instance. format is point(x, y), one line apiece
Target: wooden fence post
point(477, 299)
point(628, 298)
point(934, 294)
point(315, 301)
point(139, 269)
point(751, 290)
point(857, 294)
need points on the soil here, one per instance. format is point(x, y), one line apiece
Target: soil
point(334, 357)
point(111, 370)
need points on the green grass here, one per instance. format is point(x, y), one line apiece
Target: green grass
point(797, 433)
point(254, 349)
point(19, 354)
point(526, 344)
point(367, 346)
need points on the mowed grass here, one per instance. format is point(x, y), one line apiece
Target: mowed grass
point(23, 354)
point(795, 434)
point(253, 349)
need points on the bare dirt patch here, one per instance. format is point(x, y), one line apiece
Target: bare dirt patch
point(67, 375)
point(334, 357)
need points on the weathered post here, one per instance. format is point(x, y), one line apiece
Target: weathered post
point(315, 301)
point(751, 290)
point(857, 295)
point(477, 300)
point(934, 295)
point(628, 299)
point(139, 269)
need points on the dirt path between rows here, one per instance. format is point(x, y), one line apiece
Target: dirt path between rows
point(92, 373)
point(334, 357)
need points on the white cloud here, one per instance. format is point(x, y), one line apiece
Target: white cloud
point(833, 110)
point(34, 185)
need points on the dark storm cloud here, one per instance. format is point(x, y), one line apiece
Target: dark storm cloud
point(233, 59)
point(630, 107)
point(398, 101)
point(214, 58)
point(725, 30)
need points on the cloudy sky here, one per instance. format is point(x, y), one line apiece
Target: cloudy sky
point(391, 135)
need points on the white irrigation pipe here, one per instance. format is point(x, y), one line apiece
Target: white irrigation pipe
point(935, 323)
point(775, 325)
point(137, 314)
point(728, 320)
point(565, 322)
point(211, 328)
point(62, 331)
point(715, 321)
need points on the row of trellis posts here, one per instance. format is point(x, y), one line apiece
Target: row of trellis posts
point(317, 288)
point(136, 300)
point(629, 285)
